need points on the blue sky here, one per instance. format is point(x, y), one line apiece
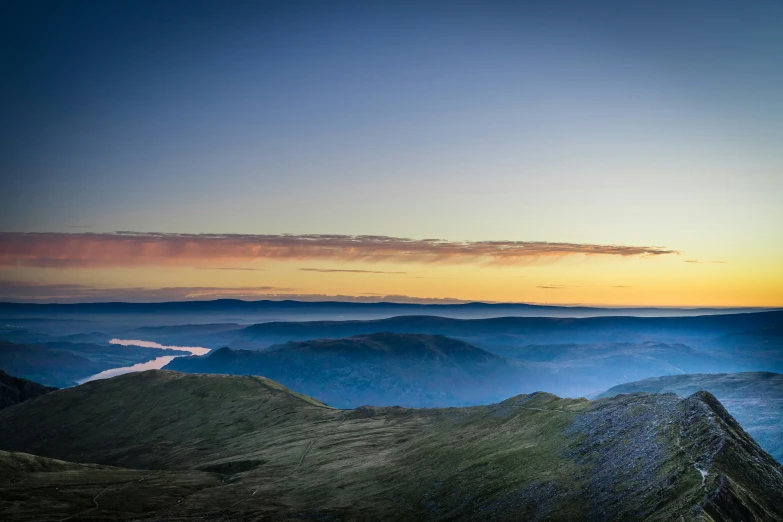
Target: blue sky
point(602, 122)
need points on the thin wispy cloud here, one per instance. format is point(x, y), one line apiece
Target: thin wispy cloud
point(555, 287)
point(126, 249)
point(332, 270)
point(239, 269)
point(26, 291)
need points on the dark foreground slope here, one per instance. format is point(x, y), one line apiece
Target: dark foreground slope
point(223, 447)
point(755, 399)
point(14, 390)
point(383, 369)
point(39, 489)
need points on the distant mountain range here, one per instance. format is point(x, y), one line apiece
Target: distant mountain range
point(382, 369)
point(216, 447)
point(571, 357)
point(253, 311)
point(498, 331)
point(755, 399)
point(567, 356)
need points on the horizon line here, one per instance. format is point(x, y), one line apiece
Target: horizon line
point(399, 303)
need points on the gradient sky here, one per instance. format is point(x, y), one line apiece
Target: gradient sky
point(654, 125)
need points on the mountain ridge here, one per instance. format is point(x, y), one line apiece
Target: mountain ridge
point(531, 457)
point(755, 399)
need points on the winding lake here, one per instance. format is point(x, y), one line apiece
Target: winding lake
point(154, 364)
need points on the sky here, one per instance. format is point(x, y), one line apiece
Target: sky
point(565, 152)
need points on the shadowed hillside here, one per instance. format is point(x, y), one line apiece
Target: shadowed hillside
point(383, 369)
point(14, 390)
point(281, 455)
point(755, 399)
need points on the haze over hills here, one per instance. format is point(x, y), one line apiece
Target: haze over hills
point(570, 357)
point(755, 399)
point(382, 369)
point(63, 364)
point(266, 452)
point(56, 368)
point(527, 329)
point(497, 331)
point(419, 370)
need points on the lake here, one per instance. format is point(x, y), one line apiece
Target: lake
point(154, 364)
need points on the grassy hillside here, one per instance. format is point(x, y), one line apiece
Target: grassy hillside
point(39, 489)
point(755, 399)
point(283, 456)
point(381, 369)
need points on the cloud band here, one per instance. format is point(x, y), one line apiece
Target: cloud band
point(127, 249)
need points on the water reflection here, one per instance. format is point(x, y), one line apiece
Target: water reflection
point(155, 364)
point(195, 350)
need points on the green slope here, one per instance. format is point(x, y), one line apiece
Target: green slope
point(38, 489)
point(283, 456)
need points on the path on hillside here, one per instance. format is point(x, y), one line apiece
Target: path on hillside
point(547, 409)
point(107, 488)
point(298, 464)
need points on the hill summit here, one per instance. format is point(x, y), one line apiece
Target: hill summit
point(383, 369)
